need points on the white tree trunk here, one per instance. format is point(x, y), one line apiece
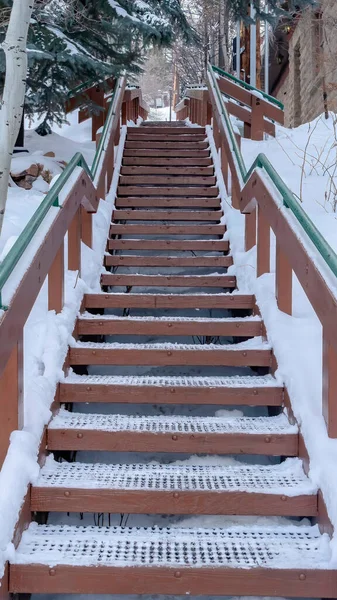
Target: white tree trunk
point(11, 106)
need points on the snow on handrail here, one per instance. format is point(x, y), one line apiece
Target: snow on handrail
point(289, 200)
point(52, 199)
point(248, 87)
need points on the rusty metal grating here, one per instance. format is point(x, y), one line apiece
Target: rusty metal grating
point(173, 424)
point(234, 546)
point(287, 478)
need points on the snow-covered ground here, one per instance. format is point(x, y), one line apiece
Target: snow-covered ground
point(64, 143)
point(306, 159)
point(47, 336)
point(161, 114)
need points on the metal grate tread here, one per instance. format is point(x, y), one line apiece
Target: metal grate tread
point(178, 381)
point(246, 547)
point(150, 319)
point(173, 424)
point(252, 344)
point(288, 478)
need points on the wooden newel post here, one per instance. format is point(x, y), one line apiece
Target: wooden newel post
point(250, 230)
point(11, 397)
point(56, 282)
point(224, 165)
point(74, 244)
point(329, 404)
point(257, 125)
point(284, 276)
point(263, 244)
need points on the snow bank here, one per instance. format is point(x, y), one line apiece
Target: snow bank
point(46, 339)
point(296, 339)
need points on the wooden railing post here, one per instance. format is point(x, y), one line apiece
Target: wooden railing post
point(86, 227)
point(74, 244)
point(56, 282)
point(11, 397)
point(250, 230)
point(124, 113)
point(257, 126)
point(224, 165)
point(284, 276)
point(329, 403)
point(263, 244)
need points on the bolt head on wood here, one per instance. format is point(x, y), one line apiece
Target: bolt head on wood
point(80, 436)
point(172, 390)
point(177, 574)
point(52, 572)
point(89, 388)
point(267, 439)
point(176, 495)
point(174, 437)
point(67, 494)
point(302, 577)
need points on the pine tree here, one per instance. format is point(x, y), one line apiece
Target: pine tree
point(276, 8)
point(75, 41)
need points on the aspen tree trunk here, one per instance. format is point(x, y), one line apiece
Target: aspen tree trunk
point(11, 105)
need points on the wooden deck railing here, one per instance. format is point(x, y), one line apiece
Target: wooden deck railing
point(269, 205)
point(73, 217)
point(256, 110)
point(98, 96)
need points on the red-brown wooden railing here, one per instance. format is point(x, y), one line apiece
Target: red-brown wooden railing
point(265, 212)
point(74, 217)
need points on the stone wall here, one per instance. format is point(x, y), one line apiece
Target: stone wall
point(312, 66)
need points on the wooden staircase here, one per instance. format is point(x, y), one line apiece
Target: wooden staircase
point(168, 344)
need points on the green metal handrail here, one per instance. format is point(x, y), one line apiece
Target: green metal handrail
point(289, 200)
point(248, 87)
point(52, 199)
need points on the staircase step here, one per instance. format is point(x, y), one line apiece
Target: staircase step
point(170, 245)
point(167, 215)
point(168, 202)
point(267, 436)
point(88, 324)
point(167, 162)
point(176, 281)
point(134, 190)
point(166, 153)
point(245, 354)
point(169, 170)
point(185, 230)
point(166, 129)
point(148, 136)
point(168, 261)
point(174, 301)
point(167, 180)
point(257, 560)
point(236, 489)
point(153, 145)
point(222, 391)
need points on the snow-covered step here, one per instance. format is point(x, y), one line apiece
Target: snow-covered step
point(89, 324)
point(170, 245)
point(169, 262)
point(207, 435)
point(184, 230)
point(176, 281)
point(246, 354)
point(252, 391)
point(171, 301)
point(274, 560)
point(176, 489)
